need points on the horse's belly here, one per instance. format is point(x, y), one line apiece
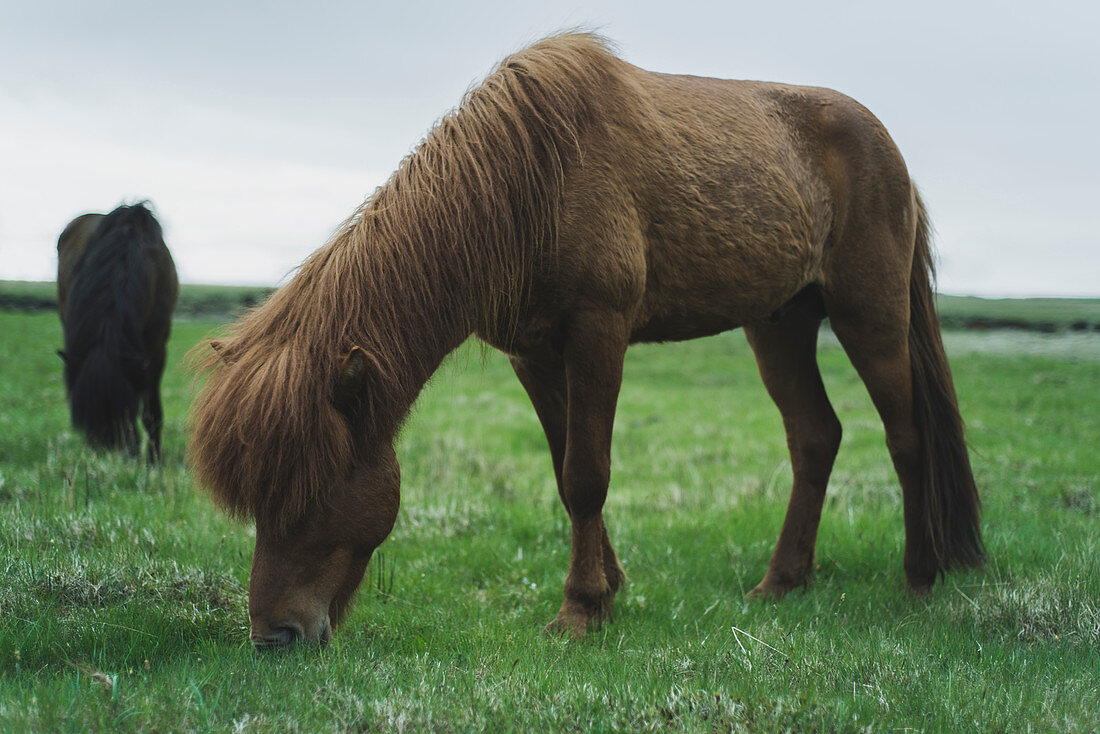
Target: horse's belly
point(668, 328)
point(704, 313)
point(696, 293)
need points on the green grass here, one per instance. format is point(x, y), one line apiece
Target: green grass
point(123, 591)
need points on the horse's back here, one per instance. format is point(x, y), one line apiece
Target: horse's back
point(726, 196)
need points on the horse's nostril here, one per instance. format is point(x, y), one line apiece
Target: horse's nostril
point(282, 636)
point(288, 634)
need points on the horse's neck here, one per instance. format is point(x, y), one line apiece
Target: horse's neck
point(434, 288)
point(422, 339)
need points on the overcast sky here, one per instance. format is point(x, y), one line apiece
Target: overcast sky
point(255, 128)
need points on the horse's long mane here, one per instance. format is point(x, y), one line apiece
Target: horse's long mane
point(439, 250)
point(105, 317)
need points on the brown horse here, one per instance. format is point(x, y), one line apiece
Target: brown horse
point(116, 291)
point(571, 205)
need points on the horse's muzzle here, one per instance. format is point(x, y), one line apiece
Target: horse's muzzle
point(290, 634)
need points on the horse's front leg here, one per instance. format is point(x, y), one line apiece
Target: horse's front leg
point(543, 378)
point(593, 359)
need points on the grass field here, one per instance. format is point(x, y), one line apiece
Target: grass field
point(123, 593)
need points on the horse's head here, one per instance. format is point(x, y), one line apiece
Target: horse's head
point(303, 578)
point(323, 492)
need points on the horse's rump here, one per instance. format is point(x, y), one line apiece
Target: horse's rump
point(117, 289)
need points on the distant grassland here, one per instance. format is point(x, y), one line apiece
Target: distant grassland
point(956, 312)
point(1033, 314)
point(205, 301)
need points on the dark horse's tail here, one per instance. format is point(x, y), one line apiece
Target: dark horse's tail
point(951, 504)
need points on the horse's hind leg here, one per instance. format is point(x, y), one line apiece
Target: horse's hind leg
point(544, 381)
point(152, 417)
point(871, 320)
point(786, 356)
point(129, 436)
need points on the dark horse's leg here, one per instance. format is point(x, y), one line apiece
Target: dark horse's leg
point(786, 355)
point(544, 380)
point(152, 414)
point(130, 436)
point(580, 394)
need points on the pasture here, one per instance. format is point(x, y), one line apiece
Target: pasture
point(124, 590)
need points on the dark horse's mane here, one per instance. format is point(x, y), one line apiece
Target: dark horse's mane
point(105, 317)
point(439, 250)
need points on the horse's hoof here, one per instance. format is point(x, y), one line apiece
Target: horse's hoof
point(574, 616)
point(769, 590)
point(766, 593)
point(573, 626)
point(919, 588)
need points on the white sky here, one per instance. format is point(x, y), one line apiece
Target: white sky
point(255, 128)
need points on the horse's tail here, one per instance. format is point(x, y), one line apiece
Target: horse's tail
point(103, 404)
point(950, 498)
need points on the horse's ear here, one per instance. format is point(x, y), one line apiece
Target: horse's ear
point(351, 381)
point(221, 349)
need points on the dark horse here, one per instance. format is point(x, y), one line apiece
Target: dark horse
point(116, 290)
point(571, 205)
